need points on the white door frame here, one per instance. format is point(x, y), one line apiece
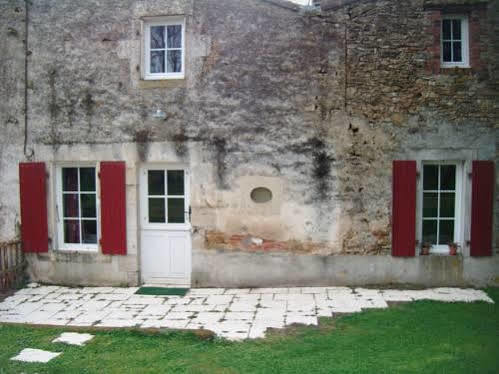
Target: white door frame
point(164, 232)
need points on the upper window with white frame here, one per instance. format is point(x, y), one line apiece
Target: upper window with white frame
point(164, 49)
point(77, 208)
point(454, 41)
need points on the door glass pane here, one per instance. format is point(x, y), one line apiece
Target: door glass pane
point(157, 37)
point(88, 208)
point(70, 179)
point(446, 53)
point(157, 61)
point(456, 52)
point(448, 177)
point(456, 29)
point(447, 202)
point(156, 210)
point(174, 36)
point(175, 182)
point(176, 210)
point(70, 205)
point(174, 61)
point(446, 234)
point(430, 231)
point(446, 29)
point(430, 177)
point(156, 182)
point(430, 204)
point(89, 231)
point(87, 179)
point(71, 231)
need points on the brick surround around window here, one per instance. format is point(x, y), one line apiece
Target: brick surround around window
point(477, 18)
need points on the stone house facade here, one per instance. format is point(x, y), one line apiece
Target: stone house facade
point(251, 143)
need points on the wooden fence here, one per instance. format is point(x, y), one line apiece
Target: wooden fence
point(12, 264)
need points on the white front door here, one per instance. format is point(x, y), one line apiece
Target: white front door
point(165, 227)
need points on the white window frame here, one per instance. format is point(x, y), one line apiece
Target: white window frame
point(146, 55)
point(144, 195)
point(465, 63)
point(458, 209)
point(59, 218)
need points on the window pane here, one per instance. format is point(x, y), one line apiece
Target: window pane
point(157, 37)
point(174, 35)
point(456, 53)
point(446, 234)
point(430, 231)
point(89, 231)
point(446, 29)
point(70, 205)
point(430, 177)
point(70, 179)
point(156, 182)
point(156, 210)
point(176, 211)
point(174, 61)
point(446, 53)
point(87, 179)
point(448, 177)
point(88, 208)
point(175, 182)
point(430, 204)
point(157, 61)
point(71, 231)
point(456, 29)
point(447, 201)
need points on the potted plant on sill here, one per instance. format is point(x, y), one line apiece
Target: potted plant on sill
point(425, 249)
point(453, 247)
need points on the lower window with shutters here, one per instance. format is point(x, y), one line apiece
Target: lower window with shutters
point(77, 207)
point(441, 205)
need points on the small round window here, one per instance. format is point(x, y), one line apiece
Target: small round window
point(261, 195)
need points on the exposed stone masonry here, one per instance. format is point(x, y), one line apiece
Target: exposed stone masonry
point(322, 100)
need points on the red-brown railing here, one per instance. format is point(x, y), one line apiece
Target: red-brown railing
point(12, 264)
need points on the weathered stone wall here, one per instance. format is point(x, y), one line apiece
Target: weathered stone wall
point(313, 105)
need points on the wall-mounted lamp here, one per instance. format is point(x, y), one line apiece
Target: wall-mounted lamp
point(159, 114)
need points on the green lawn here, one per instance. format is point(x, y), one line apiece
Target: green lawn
point(419, 337)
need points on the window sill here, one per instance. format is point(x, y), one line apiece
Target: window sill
point(443, 66)
point(161, 83)
point(77, 250)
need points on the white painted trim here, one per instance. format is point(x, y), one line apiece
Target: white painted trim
point(146, 56)
point(144, 223)
point(59, 229)
point(465, 51)
point(458, 209)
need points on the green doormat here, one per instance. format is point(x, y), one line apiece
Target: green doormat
point(161, 291)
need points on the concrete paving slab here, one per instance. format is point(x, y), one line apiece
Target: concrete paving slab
point(35, 355)
point(73, 338)
point(231, 313)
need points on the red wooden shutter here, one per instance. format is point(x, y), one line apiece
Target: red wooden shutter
point(113, 207)
point(482, 202)
point(404, 208)
point(34, 230)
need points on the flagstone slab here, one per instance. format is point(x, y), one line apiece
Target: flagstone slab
point(35, 355)
point(231, 313)
point(73, 338)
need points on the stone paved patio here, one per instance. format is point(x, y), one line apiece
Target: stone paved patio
point(231, 313)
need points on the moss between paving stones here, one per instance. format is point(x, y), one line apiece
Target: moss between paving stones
point(162, 291)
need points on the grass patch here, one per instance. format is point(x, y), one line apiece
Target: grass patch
point(418, 337)
point(161, 291)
